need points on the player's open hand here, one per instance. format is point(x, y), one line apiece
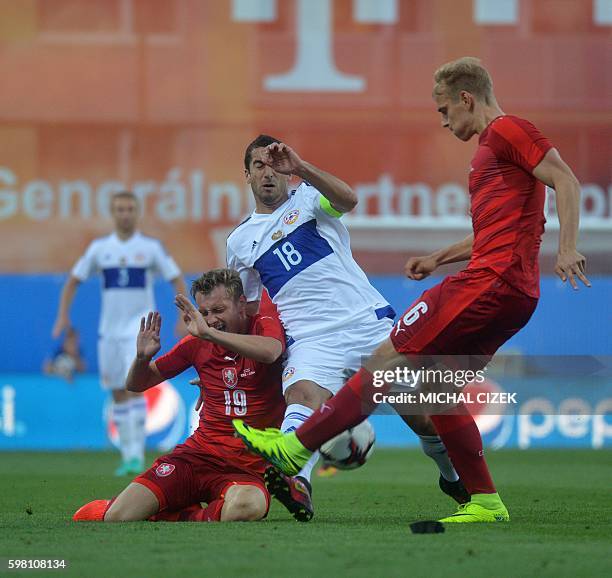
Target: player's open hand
point(417, 268)
point(572, 265)
point(194, 321)
point(282, 158)
point(148, 342)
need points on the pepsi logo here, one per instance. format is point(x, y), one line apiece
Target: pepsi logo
point(166, 418)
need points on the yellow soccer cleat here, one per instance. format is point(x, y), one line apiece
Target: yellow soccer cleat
point(481, 508)
point(284, 451)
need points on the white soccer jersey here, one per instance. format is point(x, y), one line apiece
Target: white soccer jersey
point(301, 254)
point(127, 269)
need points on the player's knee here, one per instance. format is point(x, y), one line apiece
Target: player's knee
point(247, 505)
point(248, 510)
point(306, 393)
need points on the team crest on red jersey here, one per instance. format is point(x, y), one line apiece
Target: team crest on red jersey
point(230, 377)
point(164, 470)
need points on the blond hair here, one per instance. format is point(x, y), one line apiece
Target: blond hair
point(229, 278)
point(467, 74)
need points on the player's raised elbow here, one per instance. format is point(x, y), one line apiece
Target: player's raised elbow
point(349, 200)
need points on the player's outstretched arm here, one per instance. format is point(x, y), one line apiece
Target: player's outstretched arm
point(419, 268)
point(553, 172)
point(62, 320)
point(283, 159)
point(143, 372)
point(257, 347)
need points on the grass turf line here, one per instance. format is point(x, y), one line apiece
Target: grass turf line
point(559, 502)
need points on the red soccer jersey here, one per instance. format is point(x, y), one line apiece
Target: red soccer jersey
point(234, 387)
point(507, 202)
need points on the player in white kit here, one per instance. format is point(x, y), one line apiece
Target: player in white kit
point(295, 245)
point(127, 262)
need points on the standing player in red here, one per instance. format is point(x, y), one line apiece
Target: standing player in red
point(479, 309)
point(237, 358)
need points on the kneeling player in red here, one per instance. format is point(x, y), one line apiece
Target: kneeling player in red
point(237, 358)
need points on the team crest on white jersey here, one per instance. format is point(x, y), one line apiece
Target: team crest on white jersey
point(291, 217)
point(230, 377)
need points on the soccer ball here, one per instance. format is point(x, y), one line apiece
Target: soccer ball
point(350, 449)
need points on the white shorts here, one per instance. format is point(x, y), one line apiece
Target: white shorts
point(330, 359)
point(115, 357)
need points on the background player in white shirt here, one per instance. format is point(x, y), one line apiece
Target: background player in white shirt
point(127, 262)
point(295, 246)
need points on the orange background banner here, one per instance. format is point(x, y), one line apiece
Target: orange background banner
point(163, 96)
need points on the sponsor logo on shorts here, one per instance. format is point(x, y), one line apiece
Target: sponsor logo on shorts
point(230, 377)
point(291, 217)
point(164, 470)
point(288, 373)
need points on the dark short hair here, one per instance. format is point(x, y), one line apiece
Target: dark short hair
point(124, 195)
point(263, 140)
point(215, 277)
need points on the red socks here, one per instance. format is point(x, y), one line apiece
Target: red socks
point(461, 437)
point(350, 406)
point(354, 402)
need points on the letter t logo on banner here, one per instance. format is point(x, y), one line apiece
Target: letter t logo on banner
point(314, 69)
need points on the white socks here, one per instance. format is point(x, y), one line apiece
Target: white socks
point(138, 417)
point(295, 415)
point(436, 450)
point(129, 417)
point(121, 417)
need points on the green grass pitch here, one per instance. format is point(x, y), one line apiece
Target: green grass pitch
point(559, 502)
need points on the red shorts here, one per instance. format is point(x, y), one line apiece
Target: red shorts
point(472, 313)
point(185, 477)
